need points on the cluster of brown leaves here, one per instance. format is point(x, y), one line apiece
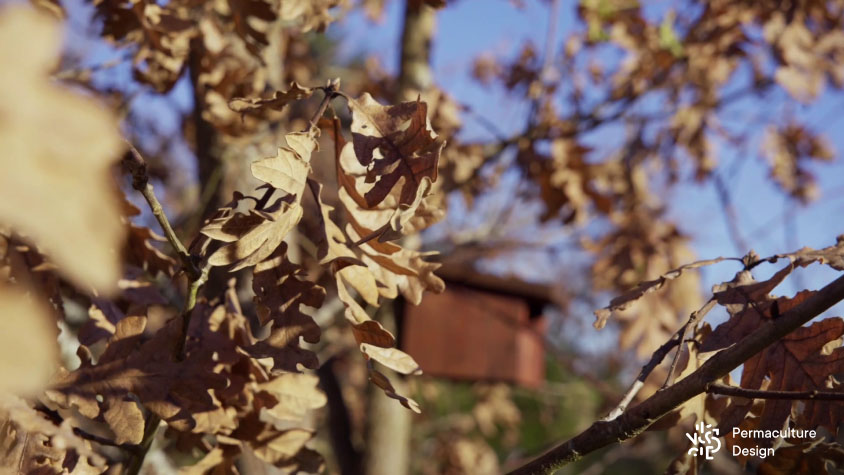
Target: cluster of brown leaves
point(223, 387)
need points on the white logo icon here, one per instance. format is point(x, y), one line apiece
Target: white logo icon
point(706, 438)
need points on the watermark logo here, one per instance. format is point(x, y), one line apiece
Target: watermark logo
point(704, 441)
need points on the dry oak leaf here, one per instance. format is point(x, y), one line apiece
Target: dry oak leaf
point(295, 393)
point(807, 458)
point(749, 304)
point(251, 238)
point(30, 442)
point(832, 256)
point(394, 143)
point(392, 358)
point(800, 361)
point(277, 102)
point(140, 251)
point(279, 293)
point(390, 220)
point(288, 170)
point(625, 300)
point(312, 15)
point(62, 178)
point(172, 390)
point(384, 383)
point(28, 353)
point(349, 272)
point(160, 36)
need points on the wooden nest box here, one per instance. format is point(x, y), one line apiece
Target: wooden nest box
point(481, 328)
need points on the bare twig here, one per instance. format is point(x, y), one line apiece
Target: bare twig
point(137, 167)
point(730, 214)
point(762, 394)
point(635, 420)
point(657, 358)
point(695, 317)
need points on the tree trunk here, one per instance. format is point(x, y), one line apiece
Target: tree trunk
point(389, 423)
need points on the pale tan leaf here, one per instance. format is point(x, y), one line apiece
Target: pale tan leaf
point(296, 394)
point(392, 358)
point(261, 240)
point(28, 348)
point(625, 300)
point(126, 420)
point(288, 170)
point(55, 188)
point(279, 100)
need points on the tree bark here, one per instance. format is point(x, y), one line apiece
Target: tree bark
point(389, 424)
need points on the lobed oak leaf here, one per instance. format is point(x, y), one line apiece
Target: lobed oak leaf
point(295, 395)
point(253, 243)
point(174, 390)
point(394, 143)
point(812, 457)
point(125, 419)
point(280, 448)
point(278, 101)
point(31, 442)
point(140, 251)
point(625, 300)
point(288, 170)
point(373, 333)
point(63, 178)
point(749, 305)
point(161, 34)
point(279, 293)
point(798, 362)
point(251, 21)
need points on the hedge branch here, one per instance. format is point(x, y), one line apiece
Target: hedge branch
point(634, 421)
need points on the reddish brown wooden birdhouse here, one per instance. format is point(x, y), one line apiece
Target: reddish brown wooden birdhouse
point(481, 328)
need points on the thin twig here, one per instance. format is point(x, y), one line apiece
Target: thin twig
point(695, 317)
point(730, 215)
point(137, 167)
point(656, 359)
point(762, 394)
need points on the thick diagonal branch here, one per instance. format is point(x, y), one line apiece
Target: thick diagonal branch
point(638, 418)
